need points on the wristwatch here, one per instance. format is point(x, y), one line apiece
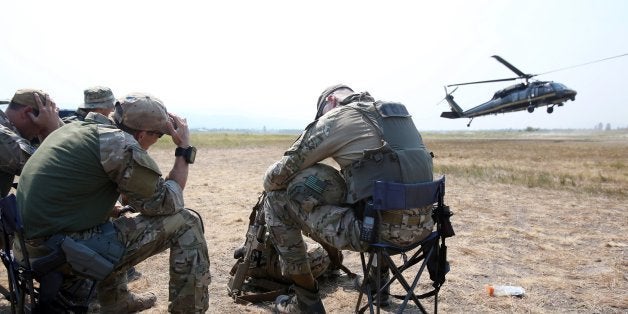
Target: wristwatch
point(188, 153)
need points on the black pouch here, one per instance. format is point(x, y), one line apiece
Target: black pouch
point(86, 261)
point(437, 264)
point(97, 256)
point(106, 243)
point(45, 264)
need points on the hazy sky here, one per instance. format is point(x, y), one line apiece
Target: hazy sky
point(267, 61)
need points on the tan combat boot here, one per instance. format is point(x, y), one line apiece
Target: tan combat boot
point(302, 301)
point(133, 303)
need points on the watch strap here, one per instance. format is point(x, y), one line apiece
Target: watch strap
point(179, 151)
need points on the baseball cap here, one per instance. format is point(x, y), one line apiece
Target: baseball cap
point(320, 104)
point(25, 97)
point(98, 97)
point(142, 112)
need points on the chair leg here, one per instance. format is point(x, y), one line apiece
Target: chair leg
point(397, 275)
point(373, 268)
point(16, 291)
point(365, 285)
point(414, 284)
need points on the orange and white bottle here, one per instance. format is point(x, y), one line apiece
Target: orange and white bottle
point(499, 291)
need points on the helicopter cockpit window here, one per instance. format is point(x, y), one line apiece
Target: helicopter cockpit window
point(559, 86)
point(547, 88)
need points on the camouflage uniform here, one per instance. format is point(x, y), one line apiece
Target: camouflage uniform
point(14, 152)
point(89, 164)
point(345, 134)
point(14, 148)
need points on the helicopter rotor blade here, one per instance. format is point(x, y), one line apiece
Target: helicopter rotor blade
point(487, 81)
point(446, 93)
point(449, 93)
point(512, 67)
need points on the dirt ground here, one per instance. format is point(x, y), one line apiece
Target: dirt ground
point(567, 249)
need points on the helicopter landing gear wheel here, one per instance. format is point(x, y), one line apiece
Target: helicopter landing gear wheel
point(550, 109)
point(530, 109)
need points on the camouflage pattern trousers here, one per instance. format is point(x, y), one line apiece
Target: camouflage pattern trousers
point(270, 266)
point(286, 220)
point(145, 236)
point(336, 225)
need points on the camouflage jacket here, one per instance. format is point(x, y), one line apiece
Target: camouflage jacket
point(14, 152)
point(74, 179)
point(369, 140)
point(341, 133)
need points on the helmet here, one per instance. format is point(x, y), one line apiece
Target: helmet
point(142, 112)
point(320, 104)
point(317, 185)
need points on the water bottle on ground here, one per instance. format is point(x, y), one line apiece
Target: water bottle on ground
point(499, 291)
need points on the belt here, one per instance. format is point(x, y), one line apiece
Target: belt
point(397, 218)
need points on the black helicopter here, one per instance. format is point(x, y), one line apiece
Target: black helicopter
point(528, 95)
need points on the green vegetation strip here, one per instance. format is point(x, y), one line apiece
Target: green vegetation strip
point(233, 140)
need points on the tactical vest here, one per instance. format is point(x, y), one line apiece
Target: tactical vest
point(402, 157)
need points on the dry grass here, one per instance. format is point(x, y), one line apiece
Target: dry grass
point(544, 212)
point(583, 166)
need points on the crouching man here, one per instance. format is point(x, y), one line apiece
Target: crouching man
point(370, 140)
point(68, 189)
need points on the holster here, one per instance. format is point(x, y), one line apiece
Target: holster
point(97, 256)
point(94, 257)
point(56, 258)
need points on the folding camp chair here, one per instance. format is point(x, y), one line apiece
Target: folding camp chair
point(32, 289)
point(409, 261)
point(21, 292)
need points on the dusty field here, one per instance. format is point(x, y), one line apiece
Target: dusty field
point(562, 237)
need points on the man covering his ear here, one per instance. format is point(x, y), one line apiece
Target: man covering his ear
point(30, 116)
point(69, 187)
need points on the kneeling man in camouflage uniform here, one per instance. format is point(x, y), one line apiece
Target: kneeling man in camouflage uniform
point(370, 140)
point(69, 187)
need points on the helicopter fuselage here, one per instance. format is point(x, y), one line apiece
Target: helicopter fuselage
point(521, 97)
point(528, 95)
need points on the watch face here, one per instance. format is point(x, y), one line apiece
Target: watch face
point(191, 154)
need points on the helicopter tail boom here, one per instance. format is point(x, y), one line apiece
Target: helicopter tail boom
point(456, 111)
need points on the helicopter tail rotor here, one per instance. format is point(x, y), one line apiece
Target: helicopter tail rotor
point(456, 111)
point(446, 94)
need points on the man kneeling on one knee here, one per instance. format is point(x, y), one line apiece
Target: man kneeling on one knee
point(68, 189)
